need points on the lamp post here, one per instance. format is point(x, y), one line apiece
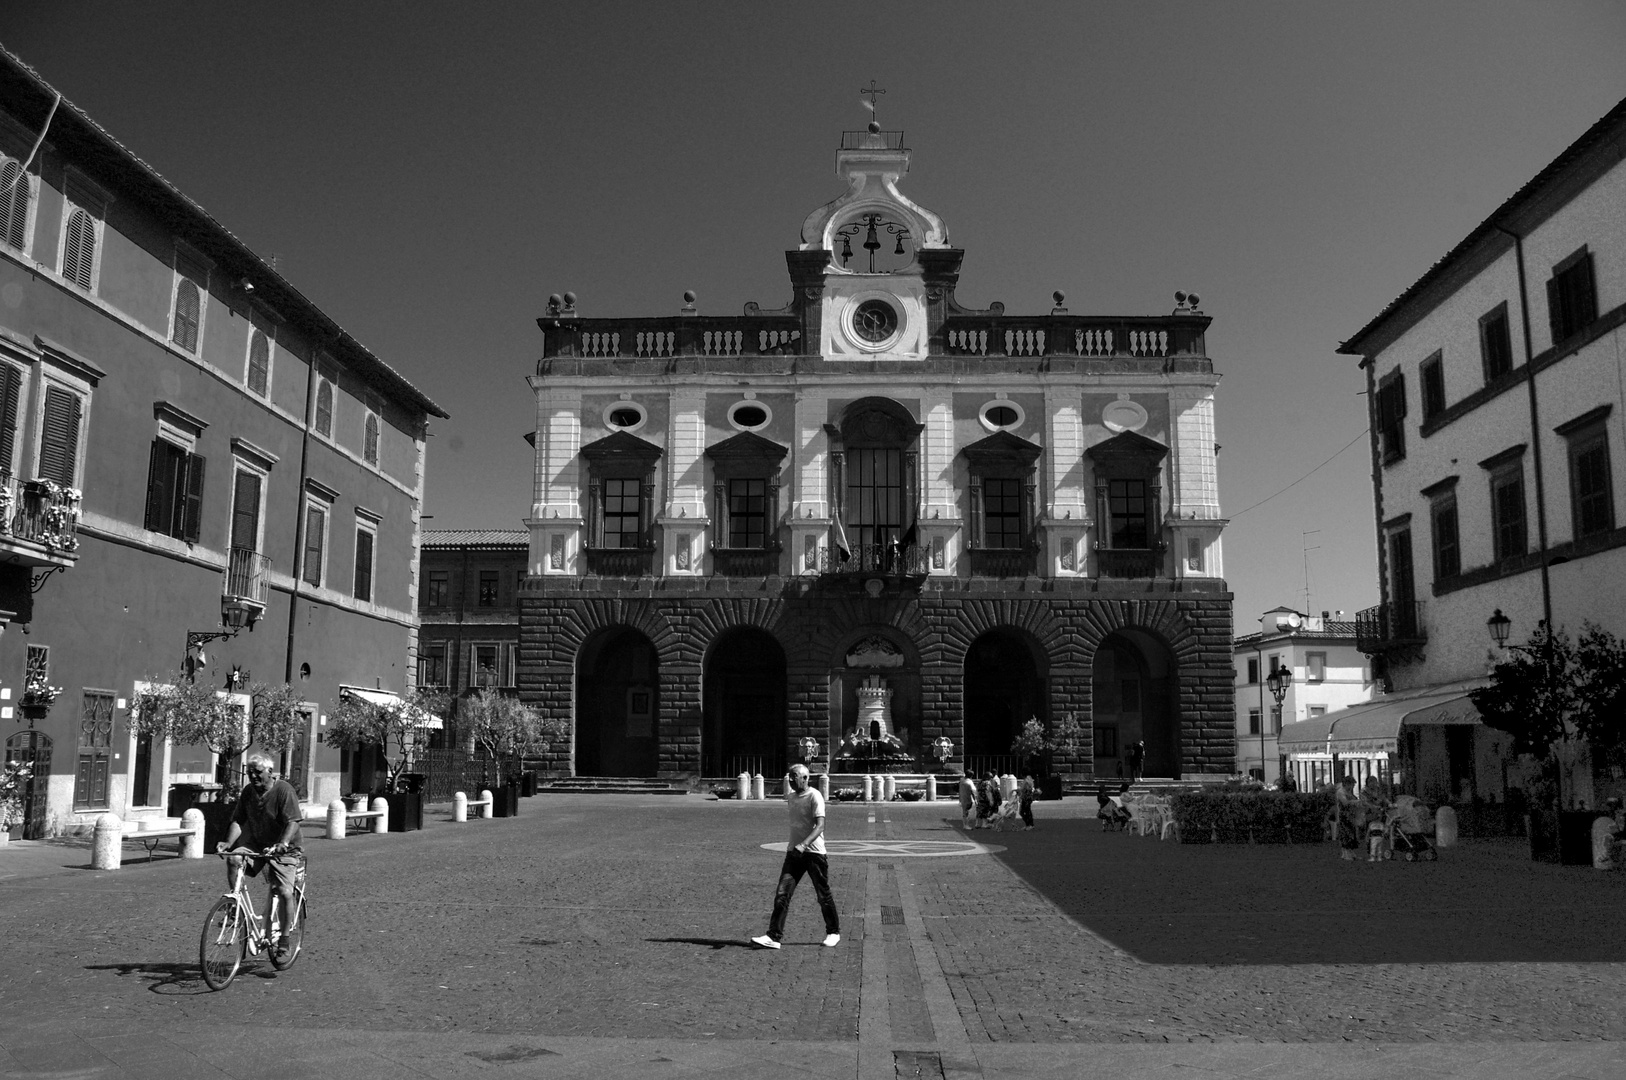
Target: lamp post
point(234, 616)
point(1279, 680)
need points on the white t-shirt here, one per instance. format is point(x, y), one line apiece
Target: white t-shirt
point(805, 811)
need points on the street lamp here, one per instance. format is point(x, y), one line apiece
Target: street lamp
point(234, 616)
point(1278, 682)
point(1499, 625)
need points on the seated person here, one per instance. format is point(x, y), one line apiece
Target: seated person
point(1105, 809)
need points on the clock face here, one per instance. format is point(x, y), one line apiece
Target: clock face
point(875, 320)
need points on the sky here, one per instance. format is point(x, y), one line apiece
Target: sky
point(429, 173)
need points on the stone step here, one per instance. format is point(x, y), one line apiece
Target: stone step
point(611, 785)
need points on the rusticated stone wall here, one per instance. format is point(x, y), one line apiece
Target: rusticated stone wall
point(814, 620)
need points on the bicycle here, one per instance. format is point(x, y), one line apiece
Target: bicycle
point(234, 929)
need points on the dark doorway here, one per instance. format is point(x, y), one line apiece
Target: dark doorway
point(32, 748)
point(1004, 688)
point(1132, 694)
point(617, 705)
point(744, 701)
point(141, 784)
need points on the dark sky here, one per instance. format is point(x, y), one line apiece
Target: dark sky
point(430, 173)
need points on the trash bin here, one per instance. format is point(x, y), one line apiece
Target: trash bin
point(1575, 837)
point(505, 801)
point(527, 786)
point(183, 797)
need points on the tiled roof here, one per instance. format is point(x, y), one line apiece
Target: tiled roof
point(454, 538)
point(1334, 629)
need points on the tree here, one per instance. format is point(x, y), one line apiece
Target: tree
point(274, 719)
point(506, 726)
point(1031, 745)
point(1040, 750)
point(182, 711)
point(395, 727)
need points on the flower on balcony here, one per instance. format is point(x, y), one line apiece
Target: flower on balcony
point(61, 516)
point(36, 691)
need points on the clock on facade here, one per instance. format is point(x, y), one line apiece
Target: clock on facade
point(875, 320)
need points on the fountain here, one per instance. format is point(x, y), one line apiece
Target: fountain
point(871, 747)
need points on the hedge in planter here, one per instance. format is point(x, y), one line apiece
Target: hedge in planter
point(1262, 817)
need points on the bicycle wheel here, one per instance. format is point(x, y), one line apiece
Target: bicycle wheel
point(294, 936)
point(224, 940)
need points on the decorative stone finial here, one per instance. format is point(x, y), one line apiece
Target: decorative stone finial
point(1061, 298)
point(688, 302)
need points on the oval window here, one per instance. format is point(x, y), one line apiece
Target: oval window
point(875, 321)
point(625, 416)
point(1001, 416)
point(750, 416)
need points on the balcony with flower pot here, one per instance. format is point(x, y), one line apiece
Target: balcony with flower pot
point(39, 522)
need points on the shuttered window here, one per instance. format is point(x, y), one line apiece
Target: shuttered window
point(364, 565)
point(315, 542)
point(14, 195)
point(1391, 407)
point(174, 491)
point(79, 250)
point(369, 441)
point(259, 362)
point(187, 308)
point(59, 436)
point(245, 511)
point(324, 408)
point(1572, 298)
point(11, 390)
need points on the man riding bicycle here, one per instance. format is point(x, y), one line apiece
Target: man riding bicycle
point(267, 820)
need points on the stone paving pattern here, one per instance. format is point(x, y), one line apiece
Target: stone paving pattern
point(625, 918)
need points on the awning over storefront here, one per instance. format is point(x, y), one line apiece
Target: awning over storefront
point(385, 698)
point(1373, 727)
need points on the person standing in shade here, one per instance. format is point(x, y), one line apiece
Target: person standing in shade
point(804, 855)
point(1137, 759)
point(1025, 794)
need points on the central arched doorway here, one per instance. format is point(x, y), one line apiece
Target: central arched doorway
point(1132, 693)
point(617, 703)
point(743, 700)
point(1004, 688)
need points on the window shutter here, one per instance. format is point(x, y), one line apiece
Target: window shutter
point(186, 315)
point(192, 522)
point(59, 437)
point(1583, 294)
point(1555, 310)
point(595, 514)
point(364, 565)
point(14, 204)
point(157, 473)
point(324, 408)
point(259, 362)
point(977, 499)
point(79, 249)
point(720, 515)
point(369, 445)
point(11, 388)
point(245, 520)
point(315, 524)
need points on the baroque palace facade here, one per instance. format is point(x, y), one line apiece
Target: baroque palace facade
point(747, 530)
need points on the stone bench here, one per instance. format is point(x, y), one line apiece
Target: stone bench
point(107, 846)
point(485, 805)
point(339, 817)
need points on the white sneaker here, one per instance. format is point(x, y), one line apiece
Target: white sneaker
point(832, 940)
point(765, 942)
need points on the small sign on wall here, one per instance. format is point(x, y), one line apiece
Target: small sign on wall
point(640, 712)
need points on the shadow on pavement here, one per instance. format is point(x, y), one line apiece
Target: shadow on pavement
point(168, 979)
point(1170, 903)
point(713, 943)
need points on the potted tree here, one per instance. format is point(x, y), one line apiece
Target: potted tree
point(395, 729)
point(183, 711)
point(506, 729)
point(1040, 749)
point(1554, 697)
point(14, 776)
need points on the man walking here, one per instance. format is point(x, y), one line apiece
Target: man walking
point(804, 855)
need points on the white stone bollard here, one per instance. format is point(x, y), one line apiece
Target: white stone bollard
point(759, 787)
point(488, 806)
point(107, 849)
point(744, 785)
point(335, 820)
point(1007, 787)
point(824, 786)
point(460, 806)
point(1445, 827)
point(889, 787)
point(192, 846)
point(381, 824)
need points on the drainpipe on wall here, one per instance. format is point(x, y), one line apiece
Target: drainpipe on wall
point(1370, 364)
point(299, 519)
point(1535, 432)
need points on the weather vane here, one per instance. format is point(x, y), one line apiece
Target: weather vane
point(872, 92)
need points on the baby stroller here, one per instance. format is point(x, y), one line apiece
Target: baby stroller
point(1409, 824)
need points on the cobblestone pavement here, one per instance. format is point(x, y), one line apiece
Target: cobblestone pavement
point(597, 935)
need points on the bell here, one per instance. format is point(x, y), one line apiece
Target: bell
point(899, 249)
point(846, 249)
point(872, 242)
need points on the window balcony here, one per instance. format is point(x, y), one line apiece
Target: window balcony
point(620, 562)
point(1129, 562)
point(244, 583)
point(1004, 562)
point(39, 522)
point(1391, 627)
point(876, 560)
point(745, 562)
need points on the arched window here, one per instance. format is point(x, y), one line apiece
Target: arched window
point(259, 363)
point(324, 408)
point(369, 442)
point(14, 196)
point(187, 310)
point(79, 250)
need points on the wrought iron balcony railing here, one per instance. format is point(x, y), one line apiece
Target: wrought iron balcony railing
point(1129, 562)
point(620, 562)
point(42, 512)
point(895, 560)
point(245, 576)
point(1391, 626)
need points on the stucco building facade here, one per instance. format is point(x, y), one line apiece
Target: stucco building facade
point(748, 531)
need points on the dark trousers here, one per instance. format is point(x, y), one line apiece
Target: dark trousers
point(1027, 812)
point(815, 866)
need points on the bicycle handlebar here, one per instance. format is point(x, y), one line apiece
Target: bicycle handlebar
point(250, 853)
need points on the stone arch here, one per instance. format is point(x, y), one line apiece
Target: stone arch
point(1005, 676)
point(581, 621)
point(971, 620)
point(744, 696)
point(617, 703)
point(1134, 705)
